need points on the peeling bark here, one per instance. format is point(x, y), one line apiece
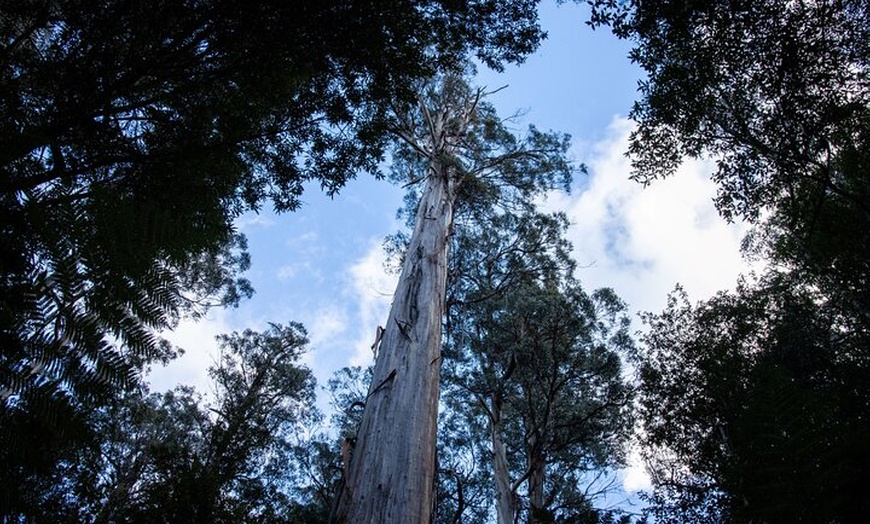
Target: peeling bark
point(392, 471)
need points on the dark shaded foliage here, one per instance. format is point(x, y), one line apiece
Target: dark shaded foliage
point(172, 457)
point(779, 94)
point(754, 406)
point(765, 389)
point(132, 134)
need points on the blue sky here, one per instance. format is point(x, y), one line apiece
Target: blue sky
point(322, 265)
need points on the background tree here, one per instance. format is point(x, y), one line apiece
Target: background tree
point(320, 458)
point(754, 409)
point(575, 402)
point(497, 246)
point(132, 134)
point(541, 366)
point(464, 481)
point(172, 457)
point(522, 351)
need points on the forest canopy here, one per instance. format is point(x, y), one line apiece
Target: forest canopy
point(133, 135)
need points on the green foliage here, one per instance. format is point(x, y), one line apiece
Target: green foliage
point(529, 353)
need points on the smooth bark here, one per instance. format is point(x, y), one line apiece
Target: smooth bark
point(536, 473)
point(505, 503)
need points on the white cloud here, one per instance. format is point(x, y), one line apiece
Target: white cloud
point(325, 331)
point(306, 244)
point(328, 323)
point(197, 339)
point(252, 219)
point(372, 288)
point(305, 270)
point(641, 241)
point(287, 271)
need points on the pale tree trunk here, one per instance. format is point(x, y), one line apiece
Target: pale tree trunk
point(392, 471)
point(536, 472)
point(505, 503)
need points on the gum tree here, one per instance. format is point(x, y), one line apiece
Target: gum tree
point(455, 145)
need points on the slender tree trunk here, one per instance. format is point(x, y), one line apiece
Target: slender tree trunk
point(392, 470)
point(537, 465)
point(505, 503)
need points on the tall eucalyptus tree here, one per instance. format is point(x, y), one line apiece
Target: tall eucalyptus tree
point(454, 144)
